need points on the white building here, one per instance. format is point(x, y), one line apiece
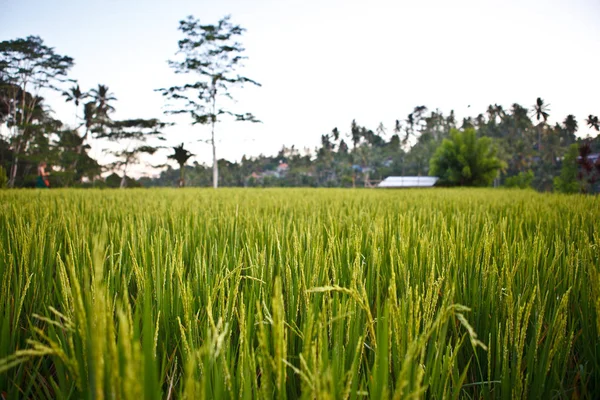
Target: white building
point(408, 181)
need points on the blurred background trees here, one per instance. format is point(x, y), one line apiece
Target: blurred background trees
point(530, 152)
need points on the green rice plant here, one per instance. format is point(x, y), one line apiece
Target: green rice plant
point(299, 294)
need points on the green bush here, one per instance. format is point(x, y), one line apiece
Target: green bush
point(567, 182)
point(465, 160)
point(522, 181)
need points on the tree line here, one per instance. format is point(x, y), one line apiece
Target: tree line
point(210, 54)
point(504, 147)
point(31, 134)
point(513, 146)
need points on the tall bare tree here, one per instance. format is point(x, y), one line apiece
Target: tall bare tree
point(213, 54)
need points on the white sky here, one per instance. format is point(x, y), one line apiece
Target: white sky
point(323, 63)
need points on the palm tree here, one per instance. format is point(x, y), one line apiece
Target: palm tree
point(592, 122)
point(336, 134)
point(89, 119)
point(467, 123)
point(419, 112)
point(354, 133)
point(491, 112)
point(102, 98)
point(381, 131)
point(480, 120)
point(95, 112)
point(75, 95)
point(409, 129)
point(571, 126)
point(499, 111)
point(540, 111)
point(450, 120)
point(181, 155)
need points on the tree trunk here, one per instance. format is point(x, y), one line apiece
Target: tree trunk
point(25, 118)
point(80, 151)
point(214, 146)
point(181, 175)
point(215, 166)
point(123, 180)
point(13, 168)
point(15, 165)
point(13, 172)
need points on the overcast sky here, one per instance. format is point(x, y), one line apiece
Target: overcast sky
point(323, 63)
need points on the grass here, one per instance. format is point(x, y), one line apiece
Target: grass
point(292, 294)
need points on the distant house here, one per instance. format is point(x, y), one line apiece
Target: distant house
point(282, 168)
point(269, 174)
point(408, 181)
point(279, 172)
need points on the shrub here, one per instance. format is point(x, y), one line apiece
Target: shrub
point(522, 181)
point(465, 160)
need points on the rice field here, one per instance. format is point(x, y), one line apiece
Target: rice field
point(297, 293)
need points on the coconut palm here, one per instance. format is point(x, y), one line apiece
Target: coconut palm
point(75, 95)
point(592, 122)
point(355, 133)
point(451, 120)
point(409, 129)
point(468, 123)
point(336, 134)
point(95, 112)
point(499, 111)
point(540, 112)
point(381, 131)
point(102, 98)
point(571, 126)
point(491, 112)
point(181, 155)
point(480, 120)
point(89, 119)
point(419, 112)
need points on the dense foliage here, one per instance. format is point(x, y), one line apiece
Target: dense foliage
point(465, 160)
point(567, 181)
point(210, 56)
point(302, 293)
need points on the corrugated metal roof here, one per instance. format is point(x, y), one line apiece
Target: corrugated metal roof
point(408, 181)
